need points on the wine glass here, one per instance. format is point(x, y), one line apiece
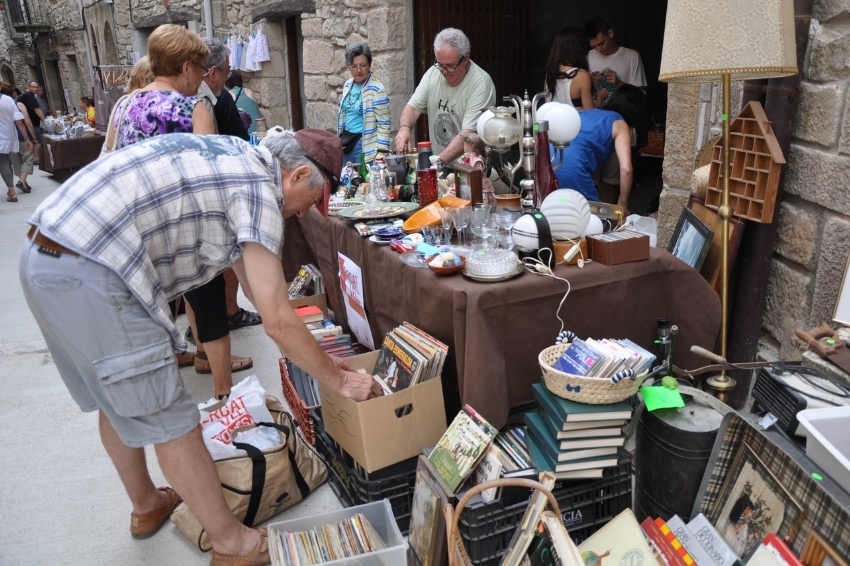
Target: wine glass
point(446, 219)
point(483, 227)
point(461, 218)
point(504, 221)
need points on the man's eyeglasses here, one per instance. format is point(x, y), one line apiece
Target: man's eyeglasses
point(448, 68)
point(208, 70)
point(360, 67)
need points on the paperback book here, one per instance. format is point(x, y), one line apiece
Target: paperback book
point(461, 447)
point(348, 538)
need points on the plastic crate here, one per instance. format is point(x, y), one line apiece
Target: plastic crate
point(487, 527)
point(352, 488)
point(300, 410)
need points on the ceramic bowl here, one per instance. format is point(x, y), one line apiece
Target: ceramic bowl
point(447, 270)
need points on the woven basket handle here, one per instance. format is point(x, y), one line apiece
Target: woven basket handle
point(457, 552)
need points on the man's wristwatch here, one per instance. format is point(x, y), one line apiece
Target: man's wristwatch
point(440, 163)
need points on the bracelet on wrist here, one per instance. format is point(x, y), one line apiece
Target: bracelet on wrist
point(404, 126)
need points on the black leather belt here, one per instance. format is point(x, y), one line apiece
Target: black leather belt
point(46, 243)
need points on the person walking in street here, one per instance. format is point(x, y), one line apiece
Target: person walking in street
point(22, 163)
point(10, 119)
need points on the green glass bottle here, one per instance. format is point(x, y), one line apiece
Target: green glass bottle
point(364, 171)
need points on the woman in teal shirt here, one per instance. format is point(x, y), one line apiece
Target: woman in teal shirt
point(244, 99)
point(364, 107)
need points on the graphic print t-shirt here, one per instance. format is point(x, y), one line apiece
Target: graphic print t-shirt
point(451, 109)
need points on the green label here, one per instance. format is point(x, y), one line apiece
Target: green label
point(817, 476)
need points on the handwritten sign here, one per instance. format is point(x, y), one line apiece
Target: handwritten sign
point(351, 282)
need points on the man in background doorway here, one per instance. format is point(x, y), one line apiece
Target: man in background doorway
point(610, 64)
point(35, 113)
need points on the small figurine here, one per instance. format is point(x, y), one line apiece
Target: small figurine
point(474, 151)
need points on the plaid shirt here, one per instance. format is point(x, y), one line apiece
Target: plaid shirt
point(169, 213)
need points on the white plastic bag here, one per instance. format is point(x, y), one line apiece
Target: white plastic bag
point(644, 225)
point(260, 437)
point(245, 406)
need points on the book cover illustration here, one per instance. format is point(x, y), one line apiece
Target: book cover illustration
point(461, 447)
point(424, 519)
point(619, 543)
point(396, 365)
point(578, 359)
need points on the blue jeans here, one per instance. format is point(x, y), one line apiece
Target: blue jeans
point(354, 155)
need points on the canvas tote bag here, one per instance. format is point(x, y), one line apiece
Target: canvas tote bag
point(262, 483)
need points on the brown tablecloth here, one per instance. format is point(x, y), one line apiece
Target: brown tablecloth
point(62, 153)
point(496, 330)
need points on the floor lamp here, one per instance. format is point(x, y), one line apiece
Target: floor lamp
point(706, 41)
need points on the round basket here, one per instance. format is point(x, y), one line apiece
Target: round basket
point(591, 390)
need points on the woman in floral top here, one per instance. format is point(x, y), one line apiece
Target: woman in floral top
point(167, 105)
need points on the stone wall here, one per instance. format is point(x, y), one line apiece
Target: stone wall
point(338, 23)
point(813, 236)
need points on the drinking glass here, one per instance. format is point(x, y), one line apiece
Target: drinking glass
point(439, 235)
point(446, 219)
point(461, 218)
point(428, 234)
point(483, 227)
point(390, 181)
point(504, 221)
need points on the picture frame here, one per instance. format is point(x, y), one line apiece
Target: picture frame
point(818, 552)
point(760, 502)
point(841, 314)
point(691, 239)
point(711, 267)
point(468, 178)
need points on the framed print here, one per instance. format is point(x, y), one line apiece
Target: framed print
point(818, 552)
point(751, 504)
point(468, 182)
point(691, 239)
point(842, 304)
point(710, 270)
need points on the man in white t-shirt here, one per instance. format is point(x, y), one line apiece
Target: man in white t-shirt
point(611, 65)
point(453, 93)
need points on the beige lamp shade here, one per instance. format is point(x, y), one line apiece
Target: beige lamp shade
point(747, 39)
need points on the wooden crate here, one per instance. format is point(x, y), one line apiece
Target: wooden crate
point(755, 162)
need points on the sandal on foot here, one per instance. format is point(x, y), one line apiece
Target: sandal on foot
point(184, 359)
point(190, 338)
point(23, 188)
point(11, 197)
point(243, 318)
point(259, 555)
point(237, 363)
point(146, 525)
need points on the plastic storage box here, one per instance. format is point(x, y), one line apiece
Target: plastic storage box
point(828, 444)
point(379, 515)
point(487, 527)
point(352, 487)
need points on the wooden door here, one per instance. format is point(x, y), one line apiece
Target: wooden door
point(498, 31)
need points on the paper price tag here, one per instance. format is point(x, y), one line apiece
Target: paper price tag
point(661, 398)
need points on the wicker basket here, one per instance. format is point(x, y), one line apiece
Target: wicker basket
point(591, 390)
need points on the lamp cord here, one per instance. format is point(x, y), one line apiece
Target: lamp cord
point(539, 267)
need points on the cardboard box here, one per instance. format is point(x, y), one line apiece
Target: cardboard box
point(372, 433)
point(618, 247)
point(320, 301)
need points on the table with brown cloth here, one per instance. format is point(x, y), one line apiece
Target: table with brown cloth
point(63, 153)
point(496, 330)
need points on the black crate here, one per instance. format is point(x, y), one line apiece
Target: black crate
point(352, 488)
point(487, 527)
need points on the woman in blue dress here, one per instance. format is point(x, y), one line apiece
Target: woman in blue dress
point(603, 132)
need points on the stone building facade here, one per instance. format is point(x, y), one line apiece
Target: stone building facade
point(813, 237)
point(112, 34)
point(814, 232)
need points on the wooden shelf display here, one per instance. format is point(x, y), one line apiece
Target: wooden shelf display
point(755, 161)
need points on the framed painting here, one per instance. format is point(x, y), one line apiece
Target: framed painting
point(691, 239)
point(752, 503)
point(710, 270)
point(818, 552)
point(841, 315)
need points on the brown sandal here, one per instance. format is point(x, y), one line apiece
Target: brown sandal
point(11, 197)
point(237, 363)
point(259, 555)
point(146, 525)
point(184, 359)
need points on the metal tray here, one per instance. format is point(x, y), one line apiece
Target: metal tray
point(375, 211)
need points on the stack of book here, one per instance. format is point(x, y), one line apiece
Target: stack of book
point(408, 356)
point(317, 322)
point(346, 539)
point(308, 282)
point(603, 358)
point(574, 440)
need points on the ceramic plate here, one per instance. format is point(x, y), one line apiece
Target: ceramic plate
point(374, 211)
point(493, 278)
point(379, 241)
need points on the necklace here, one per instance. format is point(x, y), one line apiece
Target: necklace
point(349, 100)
